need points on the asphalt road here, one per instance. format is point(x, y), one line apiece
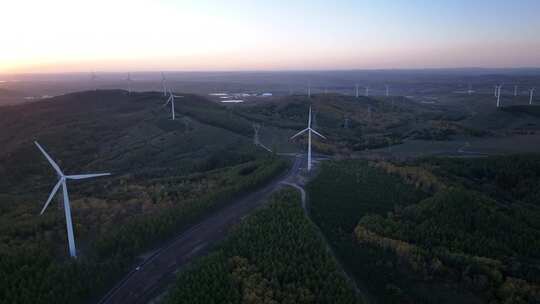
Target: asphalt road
point(151, 277)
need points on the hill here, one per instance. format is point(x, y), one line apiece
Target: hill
point(166, 175)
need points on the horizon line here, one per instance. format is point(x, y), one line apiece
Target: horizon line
point(273, 71)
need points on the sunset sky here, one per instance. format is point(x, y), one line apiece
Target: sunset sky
point(137, 35)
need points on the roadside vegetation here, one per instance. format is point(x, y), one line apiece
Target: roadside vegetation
point(274, 256)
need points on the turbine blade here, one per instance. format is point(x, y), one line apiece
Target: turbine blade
point(53, 192)
point(317, 133)
point(309, 120)
point(53, 164)
point(85, 176)
point(299, 133)
point(168, 100)
point(265, 147)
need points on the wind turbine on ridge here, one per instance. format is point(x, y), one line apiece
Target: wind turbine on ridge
point(163, 84)
point(499, 87)
point(171, 101)
point(93, 78)
point(309, 130)
point(256, 139)
point(129, 80)
point(62, 179)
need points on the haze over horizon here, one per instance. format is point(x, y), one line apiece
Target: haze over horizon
point(78, 36)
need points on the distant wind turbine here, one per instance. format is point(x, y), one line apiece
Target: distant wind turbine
point(309, 90)
point(93, 78)
point(171, 101)
point(129, 80)
point(67, 209)
point(345, 122)
point(256, 139)
point(531, 93)
point(309, 130)
point(499, 87)
point(163, 84)
point(496, 89)
point(515, 90)
point(387, 90)
point(470, 90)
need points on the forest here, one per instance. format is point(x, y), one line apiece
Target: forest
point(32, 272)
point(274, 256)
point(430, 232)
point(167, 175)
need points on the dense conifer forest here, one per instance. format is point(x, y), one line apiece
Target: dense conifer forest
point(274, 256)
point(430, 232)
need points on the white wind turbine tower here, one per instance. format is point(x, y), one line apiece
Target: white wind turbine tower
point(163, 84)
point(171, 101)
point(499, 95)
point(531, 93)
point(93, 78)
point(309, 130)
point(515, 90)
point(256, 139)
point(469, 91)
point(129, 80)
point(62, 179)
point(387, 90)
point(309, 90)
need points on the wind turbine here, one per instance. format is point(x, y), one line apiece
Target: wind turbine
point(163, 84)
point(62, 179)
point(469, 91)
point(531, 93)
point(93, 78)
point(499, 95)
point(309, 90)
point(309, 130)
point(387, 90)
point(496, 89)
point(515, 90)
point(345, 122)
point(129, 80)
point(171, 100)
point(256, 140)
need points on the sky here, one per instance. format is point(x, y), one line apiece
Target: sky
point(165, 35)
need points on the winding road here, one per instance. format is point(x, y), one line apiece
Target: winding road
point(152, 276)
